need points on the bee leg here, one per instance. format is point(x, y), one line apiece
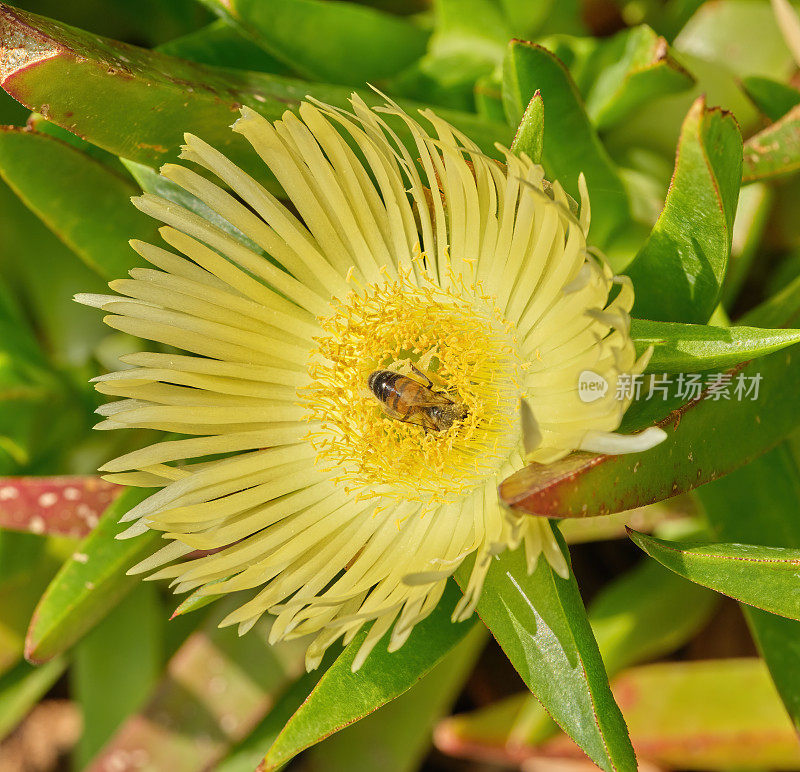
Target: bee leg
point(418, 372)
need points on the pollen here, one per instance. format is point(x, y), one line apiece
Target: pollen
point(456, 336)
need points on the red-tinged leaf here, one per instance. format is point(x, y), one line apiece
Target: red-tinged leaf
point(217, 687)
point(62, 506)
point(137, 104)
point(709, 715)
point(775, 151)
point(678, 272)
point(707, 438)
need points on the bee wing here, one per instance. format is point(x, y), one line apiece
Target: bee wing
point(432, 399)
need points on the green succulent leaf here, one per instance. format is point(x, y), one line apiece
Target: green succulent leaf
point(571, 145)
point(529, 138)
point(66, 331)
point(724, 32)
point(678, 273)
point(774, 151)
point(221, 45)
point(466, 46)
point(342, 696)
point(644, 70)
point(137, 104)
point(710, 714)
point(764, 577)
point(82, 201)
point(647, 613)
point(289, 30)
point(643, 614)
point(770, 486)
point(685, 348)
point(90, 583)
point(773, 98)
point(707, 438)
point(27, 385)
point(540, 622)
point(396, 737)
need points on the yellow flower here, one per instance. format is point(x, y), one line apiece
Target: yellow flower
point(333, 508)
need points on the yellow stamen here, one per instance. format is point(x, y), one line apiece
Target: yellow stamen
point(388, 326)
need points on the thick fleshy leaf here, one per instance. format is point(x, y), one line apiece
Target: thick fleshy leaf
point(22, 687)
point(571, 145)
point(137, 104)
point(641, 615)
point(678, 273)
point(774, 151)
point(707, 438)
point(90, 583)
point(764, 577)
point(396, 737)
point(217, 687)
point(643, 71)
point(769, 486)
point(66, 331)
point(712, 715)
point(717, 31)
point(540, 622)
point(65, 506)
point(220, 44)
point(686, 348)
point(773, 98)
point(81, 200)
point(28, 385)
point(529, 138)
point(125, 649)
point(467, 44)
point(288, 30)
point(342, 696)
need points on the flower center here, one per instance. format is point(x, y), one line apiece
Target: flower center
point(459, 341)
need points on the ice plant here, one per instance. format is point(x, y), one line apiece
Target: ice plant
point(428, 255)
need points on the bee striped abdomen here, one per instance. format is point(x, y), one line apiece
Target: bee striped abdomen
point(388, 387)
point(405, 399)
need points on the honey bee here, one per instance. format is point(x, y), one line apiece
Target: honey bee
point(406, 399)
